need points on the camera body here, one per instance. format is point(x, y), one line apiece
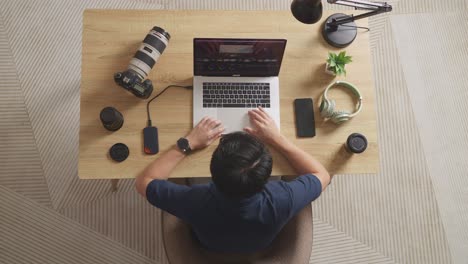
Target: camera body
point(133, 82)
point(134, 78)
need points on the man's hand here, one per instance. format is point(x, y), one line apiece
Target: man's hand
point(263, 126)
point(205, 133)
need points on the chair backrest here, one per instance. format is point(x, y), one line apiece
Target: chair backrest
point(292, 245)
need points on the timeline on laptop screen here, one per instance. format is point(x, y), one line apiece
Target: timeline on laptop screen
point(238, 57)
point(233, 49)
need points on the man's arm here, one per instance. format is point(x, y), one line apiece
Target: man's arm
point(303, 163)
point(160, 169)
point(202, 135)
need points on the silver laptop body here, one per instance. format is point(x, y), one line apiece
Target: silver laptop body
point(232, 76)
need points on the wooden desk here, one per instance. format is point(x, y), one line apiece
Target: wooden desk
point(111, 37)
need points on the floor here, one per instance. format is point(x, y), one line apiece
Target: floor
point(414, 211)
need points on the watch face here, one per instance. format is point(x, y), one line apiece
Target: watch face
point(183, 144)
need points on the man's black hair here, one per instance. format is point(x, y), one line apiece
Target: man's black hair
point(240, 165)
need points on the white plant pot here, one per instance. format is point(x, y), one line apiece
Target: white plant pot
point(327, 70)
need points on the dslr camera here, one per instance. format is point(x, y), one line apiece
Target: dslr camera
point(134, 78)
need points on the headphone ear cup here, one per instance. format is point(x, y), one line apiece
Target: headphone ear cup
point(327, 108)
point(340, 117)
point(323, 107)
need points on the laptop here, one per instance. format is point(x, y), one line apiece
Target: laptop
point(233, 76)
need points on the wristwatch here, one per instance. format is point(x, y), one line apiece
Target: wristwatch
point(183, 145)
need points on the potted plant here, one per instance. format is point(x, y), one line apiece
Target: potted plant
point(336, 63)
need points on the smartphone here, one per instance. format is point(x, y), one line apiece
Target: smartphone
point(304, 115)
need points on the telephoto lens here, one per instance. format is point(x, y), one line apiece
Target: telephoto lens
point(133, 79)
point(152, 47)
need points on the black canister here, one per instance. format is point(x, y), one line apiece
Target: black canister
point(111, 119)
point(356, 143)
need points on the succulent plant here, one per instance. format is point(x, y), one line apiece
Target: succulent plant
point(337, 62)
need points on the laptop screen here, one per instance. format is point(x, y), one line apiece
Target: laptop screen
point(238, 57)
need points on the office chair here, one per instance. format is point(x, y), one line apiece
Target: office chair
point(292, 245)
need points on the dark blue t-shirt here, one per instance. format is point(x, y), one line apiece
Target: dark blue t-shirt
point(227, 225)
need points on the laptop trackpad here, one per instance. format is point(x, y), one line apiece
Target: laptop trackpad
point(234, 119)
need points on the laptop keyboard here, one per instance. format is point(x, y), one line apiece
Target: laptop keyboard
point(236, 95)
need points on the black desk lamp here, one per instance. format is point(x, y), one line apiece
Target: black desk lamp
point(339, 30)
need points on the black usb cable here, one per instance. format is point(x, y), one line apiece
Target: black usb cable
point(150, 132)
point(160, 93)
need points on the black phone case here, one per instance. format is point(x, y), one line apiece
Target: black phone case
point(150, 140)
point(304, 115)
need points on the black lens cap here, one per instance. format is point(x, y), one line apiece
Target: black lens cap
point(119, 152)
point(108, 115)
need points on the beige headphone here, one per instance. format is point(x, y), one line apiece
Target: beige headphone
point(327, 107)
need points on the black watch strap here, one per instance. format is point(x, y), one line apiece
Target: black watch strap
point(183, 145)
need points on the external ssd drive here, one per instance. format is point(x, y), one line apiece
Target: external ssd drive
point(150, 140)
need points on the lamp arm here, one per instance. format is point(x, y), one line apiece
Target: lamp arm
point(361, 4)
point(377, 8)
